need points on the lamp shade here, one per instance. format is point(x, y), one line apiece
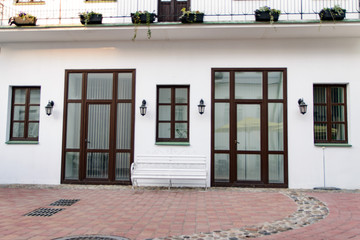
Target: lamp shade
point(143, 108)
point(201, 107)
point(302, 106)
point(49, 107)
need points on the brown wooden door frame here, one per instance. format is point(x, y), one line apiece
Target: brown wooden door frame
point(264, 128)
point(84, 127)
point(170, 11)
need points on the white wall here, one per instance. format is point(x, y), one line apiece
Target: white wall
point(187, 62)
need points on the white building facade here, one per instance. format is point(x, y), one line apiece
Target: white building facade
point(249, 74)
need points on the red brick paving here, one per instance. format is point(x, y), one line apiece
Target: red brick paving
point(147, 214)
point(135, 214)
point(343, 221)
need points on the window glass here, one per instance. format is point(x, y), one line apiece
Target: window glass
point(124, 85)
point(99, 86)
point(181, 95)
point(25, 114)
point(75, 86)
point(330, 124)
point(20, 96)
point(222, 85)
point(275, 85)
point(248, 85)
point(165, 95)
point(172, 116)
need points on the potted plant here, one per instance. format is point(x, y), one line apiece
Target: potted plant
point(142, 17)
point(266, 14)
point(90, 18)
point(334, 13)
point(23, 19)
point(191, 16)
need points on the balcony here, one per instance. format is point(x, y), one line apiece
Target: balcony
point(224, 19)
point(63, 12)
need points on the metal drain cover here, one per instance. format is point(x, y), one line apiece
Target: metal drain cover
point(64, 202)
point(92, 237)
point(44, 212)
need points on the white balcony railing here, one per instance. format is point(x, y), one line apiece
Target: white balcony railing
point(66, 12)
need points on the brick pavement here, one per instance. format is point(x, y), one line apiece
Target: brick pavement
point(135, 214)
point(144, 214)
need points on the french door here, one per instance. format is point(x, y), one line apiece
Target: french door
point(170, 10)
point(249, 141)
point(98, 126)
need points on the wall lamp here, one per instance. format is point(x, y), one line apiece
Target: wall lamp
point(143, 108)
point(201, 107)
point(49, 108)
point(302, 106)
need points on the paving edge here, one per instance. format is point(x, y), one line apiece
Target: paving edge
point(310, 210)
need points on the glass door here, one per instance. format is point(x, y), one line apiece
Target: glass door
point(97, 139)
point(249, 127)
point(99, 95)
point(98, 126)
point(248, 142)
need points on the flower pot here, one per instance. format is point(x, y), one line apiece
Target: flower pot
point(265, 16)
point(331, 15)
point(24, 21)
point(142, 17)
point(192, 18)
point(94, 19)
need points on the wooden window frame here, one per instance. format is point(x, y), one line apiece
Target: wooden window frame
point(172, 117)
point(26, 120)
point(329, 120)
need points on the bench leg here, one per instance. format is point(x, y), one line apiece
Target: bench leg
point(170, 184)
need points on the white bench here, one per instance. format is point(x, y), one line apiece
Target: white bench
point(169, 168)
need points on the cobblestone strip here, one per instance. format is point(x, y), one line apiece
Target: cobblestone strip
point(310, 210)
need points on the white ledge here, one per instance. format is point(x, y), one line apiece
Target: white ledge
point(180, 32)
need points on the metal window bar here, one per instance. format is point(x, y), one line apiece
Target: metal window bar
point(118, 11)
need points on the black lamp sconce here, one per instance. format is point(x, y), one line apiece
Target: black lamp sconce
point(201, 106)
point(49, 107)
point(302, 106)
point(143, 108)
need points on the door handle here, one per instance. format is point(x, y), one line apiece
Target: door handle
point(86, 141)
point(236, 142)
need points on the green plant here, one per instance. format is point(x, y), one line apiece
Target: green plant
point(186, 13)
point(271, 11)
point(334, 12)
point(24, 16)
point(136, 18)
point(87, 15)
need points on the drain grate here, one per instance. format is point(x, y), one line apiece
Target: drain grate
point(44, 212)
point(92, 237)
point(64, 202)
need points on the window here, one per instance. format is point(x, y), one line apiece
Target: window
point(25, 114)
point(330, 125)
point(172, 114)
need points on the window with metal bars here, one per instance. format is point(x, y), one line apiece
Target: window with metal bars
point(330, 114)
point(25, 111)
